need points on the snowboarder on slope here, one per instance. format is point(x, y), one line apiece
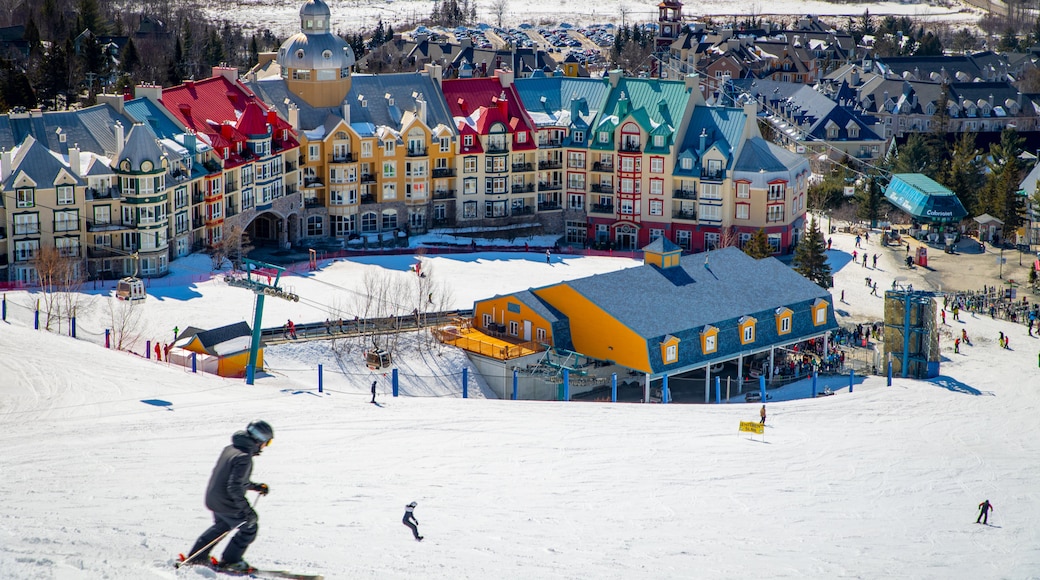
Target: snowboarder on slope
point(410, 521)
point(984, 508)
point(226, 497)
point(373, 391)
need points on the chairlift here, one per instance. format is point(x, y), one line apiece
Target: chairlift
point(377, 359)
point(131, 288)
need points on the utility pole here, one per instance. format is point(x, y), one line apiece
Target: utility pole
point(261, 290)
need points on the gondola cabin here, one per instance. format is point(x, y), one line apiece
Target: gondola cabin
point(130, 288)
point(377, 359)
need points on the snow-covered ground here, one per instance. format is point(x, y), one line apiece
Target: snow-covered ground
point(282, 16)
point(105, 457)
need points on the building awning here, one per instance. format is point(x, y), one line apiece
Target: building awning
point(924, 199)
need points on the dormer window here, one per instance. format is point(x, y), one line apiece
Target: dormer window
point(686, 163)
point(521, 137)
point(299, 53)
point(604, 137)
point(326, 54)
point(658, 140)
point(578, 137)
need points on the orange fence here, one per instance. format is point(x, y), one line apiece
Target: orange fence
point(480, 343)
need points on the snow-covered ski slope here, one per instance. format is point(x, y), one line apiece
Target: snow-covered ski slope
point(104, 458)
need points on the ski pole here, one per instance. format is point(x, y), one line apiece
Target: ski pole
point(208, 546)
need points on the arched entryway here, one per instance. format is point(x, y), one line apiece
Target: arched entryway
point(269, 229)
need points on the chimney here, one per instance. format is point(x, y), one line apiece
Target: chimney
point(855, 77)
point(189, 143)
point(505, 77)
point(226, 130)
point(185, 110)
point(294, 116)
point(346, 112)
point(420, 103)
point(151, 92)
point(190, 83)
point(503, 105)
point(463, 107)
point(703, 142)
point(228, 72)
point(436, 73)
point(5, 163)
point(118, 128)
point(114, 101)
point(614, 76)
point(272, 119)
point(74, 159)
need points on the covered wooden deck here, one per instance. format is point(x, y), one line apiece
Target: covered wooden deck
point(462, 334)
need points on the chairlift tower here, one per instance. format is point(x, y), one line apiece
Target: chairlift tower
point(251, 281)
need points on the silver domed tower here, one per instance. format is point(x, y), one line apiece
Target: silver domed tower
point(316, 63)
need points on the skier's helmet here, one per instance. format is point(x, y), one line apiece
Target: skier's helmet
point(413, 504)
point(261, 431)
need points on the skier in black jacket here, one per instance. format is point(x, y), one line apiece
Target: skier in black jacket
point(226, 497)
point(410, 521)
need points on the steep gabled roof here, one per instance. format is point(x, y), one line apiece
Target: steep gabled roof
point(722, 127)
point(465, 97)
point(91, 129)
point(405, 90)
point(141, 146)
point(548, 100)
point(646, 95)
point(38, 163)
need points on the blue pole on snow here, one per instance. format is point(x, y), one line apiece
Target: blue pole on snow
point(36, 321)
point(516, 382)
point(814, 376)
point(465, 382)
point(147, 350)
point(613, 387)
point(851, 375)
point(394, 381)
point(3, 309)
point(108, 338)
point(320, 383)
point(718, 390)
point(890, 372)
point(566, 385)
point(664, 389)
point(194, 363)
point(73, 327)
point(762, 386)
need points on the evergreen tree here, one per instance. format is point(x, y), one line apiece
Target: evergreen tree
point(914, 156)
point(254, 52)
point(54, 80)
point(130, 58)
point(929, 45)
point(173, 67)
point(868, 201)
point(90, 18)
point(32, 38)
point(16, 90)
point(810, 258)
point(964, 176)
point(1004, 201)
point(758, 246)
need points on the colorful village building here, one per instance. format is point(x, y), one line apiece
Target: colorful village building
point(676, 316)
point(221, 351)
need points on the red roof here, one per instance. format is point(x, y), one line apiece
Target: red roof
point(204, 106)
point(468, 96)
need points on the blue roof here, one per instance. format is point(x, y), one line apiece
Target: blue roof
point(145, 111)
point(723, 127)
point(924, 198)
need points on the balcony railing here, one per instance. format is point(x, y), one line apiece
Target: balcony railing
point(718, 174)
point(550, 186)
point(550, 164)
point(684, 215)
point(368, 178)
point(629, 147)
point(523, 167)
point(312, 182)
point(196, 223)
point(102, 193)
point(368, 198)
point(197, 197)
point(523, 210)
point(444, 194)
point(341, 158)
point(551, 144)
point(312, 202)
point(602, 208)
point(602, 188)
point(600, 166)
point(416, 152)
point(522, 188)
point(443, 172)
point(497, 148)
point(684, 194)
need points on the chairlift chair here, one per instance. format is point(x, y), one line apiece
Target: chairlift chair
point(377, 359)
point(131, 288)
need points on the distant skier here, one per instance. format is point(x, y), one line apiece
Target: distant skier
point(548, 257)
point(226, 497)
point(762, 414)
point(410, 521)
point(984, 508)
point(373, 391)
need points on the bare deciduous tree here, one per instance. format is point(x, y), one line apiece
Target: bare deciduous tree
point(60, 280)
point(125, 321)
point(233, 246)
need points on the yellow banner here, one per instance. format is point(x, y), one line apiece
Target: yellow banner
point(752, 427)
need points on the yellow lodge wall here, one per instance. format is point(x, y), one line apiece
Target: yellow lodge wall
point(594, 333)
point(499, 312)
